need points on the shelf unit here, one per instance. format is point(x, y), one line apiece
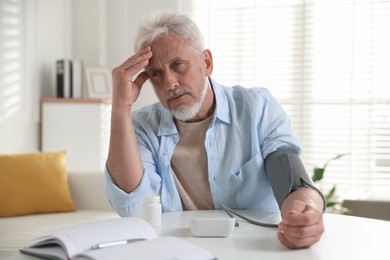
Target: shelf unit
point(81, 127)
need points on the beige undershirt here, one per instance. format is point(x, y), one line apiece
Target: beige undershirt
point(189, 165)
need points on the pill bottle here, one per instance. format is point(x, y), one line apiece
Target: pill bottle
point(151, 210)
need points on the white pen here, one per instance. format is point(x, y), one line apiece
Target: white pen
point(116, 243)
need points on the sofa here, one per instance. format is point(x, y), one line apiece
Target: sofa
point(89, 197)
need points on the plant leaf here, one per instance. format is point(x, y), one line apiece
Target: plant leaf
point(346, 211)
point(331, 203)
point(318, 174)
point(339, 156)
point(331, 193)
point(334, 158)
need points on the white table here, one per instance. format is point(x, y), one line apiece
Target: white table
point(345, 237)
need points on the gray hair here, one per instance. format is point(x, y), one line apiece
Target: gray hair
point(164, 23)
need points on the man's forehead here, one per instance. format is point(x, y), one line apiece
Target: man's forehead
point(169, 51)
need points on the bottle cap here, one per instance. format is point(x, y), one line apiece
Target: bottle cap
point(152, 199)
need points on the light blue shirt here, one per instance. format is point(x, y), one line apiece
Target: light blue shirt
point(248, 124)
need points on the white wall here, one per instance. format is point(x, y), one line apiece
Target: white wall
point(100, 32)
point(123, 17)
point(45, 40)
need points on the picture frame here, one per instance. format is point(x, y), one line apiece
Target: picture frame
point(98, 83)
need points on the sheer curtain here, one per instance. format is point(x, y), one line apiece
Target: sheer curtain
point(11, 57)
point(328, 62)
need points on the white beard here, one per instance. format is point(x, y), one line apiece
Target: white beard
point(185, 113)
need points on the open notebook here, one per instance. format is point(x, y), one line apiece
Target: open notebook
point(118, 238)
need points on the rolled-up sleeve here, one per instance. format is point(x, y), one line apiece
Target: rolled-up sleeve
point(127, 204)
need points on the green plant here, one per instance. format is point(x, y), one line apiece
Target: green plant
point(333, 204)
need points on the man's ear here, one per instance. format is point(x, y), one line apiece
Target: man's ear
point(208, 60)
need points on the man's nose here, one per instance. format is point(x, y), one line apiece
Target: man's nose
point(171, 81)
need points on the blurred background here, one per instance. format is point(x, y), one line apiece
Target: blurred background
point(327, 62)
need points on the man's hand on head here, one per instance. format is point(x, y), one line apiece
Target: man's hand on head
point(125, 89)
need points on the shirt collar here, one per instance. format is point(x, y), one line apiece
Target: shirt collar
point(222, 106)
point(167, 125)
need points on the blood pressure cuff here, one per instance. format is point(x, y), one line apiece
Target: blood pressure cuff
point(287, 173)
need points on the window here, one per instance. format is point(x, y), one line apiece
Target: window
point(327, 61)
point(11, 54)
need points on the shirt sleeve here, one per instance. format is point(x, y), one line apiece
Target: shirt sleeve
point(276, 128)
point(126, 204)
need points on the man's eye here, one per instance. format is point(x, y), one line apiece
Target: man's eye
point(179, 65)
point(155, 74)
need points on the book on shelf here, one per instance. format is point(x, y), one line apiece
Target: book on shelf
point(62, 78)
point(117, 238)
point(69, 78)
point(77, 84)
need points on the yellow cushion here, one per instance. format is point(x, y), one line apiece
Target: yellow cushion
point(34, 183)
